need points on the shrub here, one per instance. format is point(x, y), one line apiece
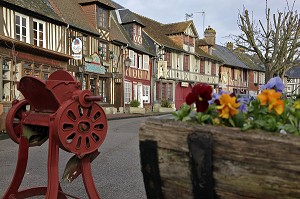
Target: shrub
point(165, 103)
point(135, 103)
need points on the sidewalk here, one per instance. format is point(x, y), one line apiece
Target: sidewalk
point(119, 116)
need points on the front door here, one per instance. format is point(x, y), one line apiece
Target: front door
point(180, 94)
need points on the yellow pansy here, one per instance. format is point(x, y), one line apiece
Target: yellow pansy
point(297, 104)
point(228, 106)
point(271, 97)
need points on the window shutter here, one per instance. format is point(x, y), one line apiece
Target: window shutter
point(146, 62)
point(131, 56)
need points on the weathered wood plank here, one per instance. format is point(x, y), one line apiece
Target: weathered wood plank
point(252, 164)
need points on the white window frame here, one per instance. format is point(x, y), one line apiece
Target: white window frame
point(140, 59)
point(38, 32)
point(26, 26)
point(255, 77)
point(133, 57)
point(146, 62)
point(207, 67)
point(127, 92)
point(146, 94)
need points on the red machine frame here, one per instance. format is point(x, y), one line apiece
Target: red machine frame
point(72, 120)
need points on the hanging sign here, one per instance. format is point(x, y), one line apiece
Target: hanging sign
point(77, 48)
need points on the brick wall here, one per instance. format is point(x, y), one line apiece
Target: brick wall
point(178, 39)
point(90, 11)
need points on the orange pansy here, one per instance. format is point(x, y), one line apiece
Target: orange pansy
point(228, 106)
point(271, 97)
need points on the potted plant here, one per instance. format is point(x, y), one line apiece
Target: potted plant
point(165, 106)
point(135, 107)
point(227, 147)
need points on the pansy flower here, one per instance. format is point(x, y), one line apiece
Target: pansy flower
point(271, 98)
point(201, 94)
point(297, 104)
point(228, 106)
point(274, 83)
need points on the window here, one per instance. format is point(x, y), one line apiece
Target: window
point(127, 92)
point(202, 68)
point(102, 18)
point(22, 33)
point(133, 57)
point(140, 61)
point(169, 92)
point(168, 59)
point(103, 50)
point(186, 62)
point(146, 94)
point(255, 77)
point(146, 62)
point(38, 33)
point(208, 67)
point(186, 39)
point(191, 41)
point(166, 91)
point(245, 75)
point(102, 88)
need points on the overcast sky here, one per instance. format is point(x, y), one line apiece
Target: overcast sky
point(222, 15)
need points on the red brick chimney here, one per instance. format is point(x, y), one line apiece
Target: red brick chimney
point(210, 36)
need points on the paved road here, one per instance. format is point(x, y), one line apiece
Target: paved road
point(116, 170)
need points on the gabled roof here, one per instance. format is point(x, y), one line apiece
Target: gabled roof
point(294, 72)
point(124, 37)
point(37, 6)
point(202, 53)
point(179, 27)
point(73, 15)
point(155, 30)
point(126, 16)
point(109, 4)
point(249, 60)
point(117, 33)
point(228, 57)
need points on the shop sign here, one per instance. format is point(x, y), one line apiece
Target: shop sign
point(95, 68)
point(93, 58)
point(77, 48)
point(184, 84)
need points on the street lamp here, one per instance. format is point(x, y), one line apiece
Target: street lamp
point(127, 62)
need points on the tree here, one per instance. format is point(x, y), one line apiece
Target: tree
point(276, 43)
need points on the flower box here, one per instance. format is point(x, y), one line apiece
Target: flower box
point(185, 160)
point(165, 110)
point(137, 110)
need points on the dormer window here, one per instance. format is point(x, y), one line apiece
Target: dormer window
point(137, 34)
point(188, 40)
point(102, 18)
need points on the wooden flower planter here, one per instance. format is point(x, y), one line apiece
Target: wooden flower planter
point(183, 160)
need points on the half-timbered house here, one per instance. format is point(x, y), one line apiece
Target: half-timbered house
point(179, 62)
point(31, 43)
point(139, 49)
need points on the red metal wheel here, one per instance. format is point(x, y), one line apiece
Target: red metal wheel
point(14, 119)
point(80, 130)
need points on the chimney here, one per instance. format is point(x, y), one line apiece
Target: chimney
point(229, 45)
point(210, 36)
